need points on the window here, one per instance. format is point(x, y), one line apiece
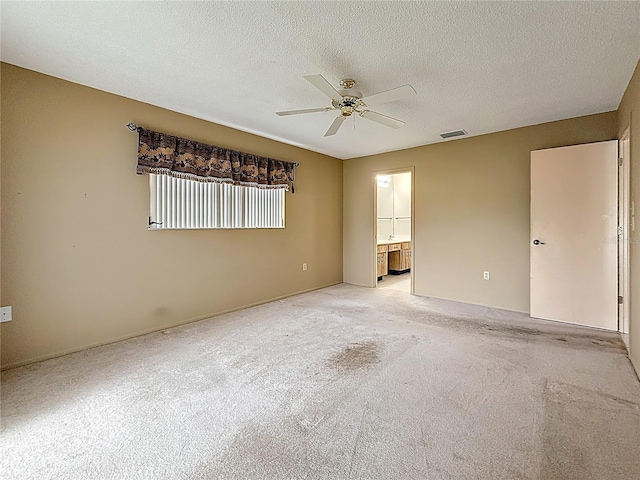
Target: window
point(178, 203)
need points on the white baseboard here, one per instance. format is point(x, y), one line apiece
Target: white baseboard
point(473, 303)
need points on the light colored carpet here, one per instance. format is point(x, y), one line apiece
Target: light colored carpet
point(346, 382)
point(401, 282)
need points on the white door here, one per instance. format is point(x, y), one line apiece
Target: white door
point(574, 234)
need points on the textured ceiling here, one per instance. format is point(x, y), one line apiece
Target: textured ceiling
point(482, 67)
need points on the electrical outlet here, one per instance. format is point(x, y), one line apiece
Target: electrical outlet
point(486, 275)
point(304, 267)
point(5, 314)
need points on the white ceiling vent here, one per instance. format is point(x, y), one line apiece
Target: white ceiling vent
point(454, 133)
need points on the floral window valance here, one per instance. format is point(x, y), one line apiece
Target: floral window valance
point(164, 154)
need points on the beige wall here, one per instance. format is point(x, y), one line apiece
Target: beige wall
point(629, 117)
point(471, 210)
point(80, 267)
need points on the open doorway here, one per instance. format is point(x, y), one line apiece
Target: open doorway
point(394, 230)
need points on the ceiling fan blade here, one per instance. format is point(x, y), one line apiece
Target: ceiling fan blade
point(324, 86)
point(335, 126)
point(304, 110)
point(390, 95)
point(383, 119)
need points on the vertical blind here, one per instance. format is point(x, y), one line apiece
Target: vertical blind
point(181, 203)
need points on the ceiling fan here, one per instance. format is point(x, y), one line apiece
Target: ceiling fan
point(349, 101)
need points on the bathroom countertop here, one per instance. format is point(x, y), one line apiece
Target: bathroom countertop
point(398, 239)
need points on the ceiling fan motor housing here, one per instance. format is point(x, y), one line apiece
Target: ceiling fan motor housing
point(348, 103)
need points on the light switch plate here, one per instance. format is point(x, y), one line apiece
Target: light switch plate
point(5, 314)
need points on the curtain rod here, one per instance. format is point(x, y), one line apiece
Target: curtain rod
point(133, 127)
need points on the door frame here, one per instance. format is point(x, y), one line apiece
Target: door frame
point(624, 207)
point(374, 188)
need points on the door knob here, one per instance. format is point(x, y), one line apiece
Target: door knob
point(538, 242)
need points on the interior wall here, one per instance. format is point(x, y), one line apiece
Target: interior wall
point(629, 117)
point(472, 200)
point(80, 267)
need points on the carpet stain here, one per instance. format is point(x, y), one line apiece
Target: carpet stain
point(602, 341)
point(356, 355)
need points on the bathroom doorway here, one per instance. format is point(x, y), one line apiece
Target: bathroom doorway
point(394, 230)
